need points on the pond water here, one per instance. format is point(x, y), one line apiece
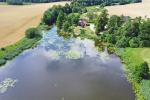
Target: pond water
point(59, 69)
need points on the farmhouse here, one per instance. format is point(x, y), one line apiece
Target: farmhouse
point(83, 23)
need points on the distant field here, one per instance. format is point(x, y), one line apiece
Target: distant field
point(133, 10)
point(14, 20)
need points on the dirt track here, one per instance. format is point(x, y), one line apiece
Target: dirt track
point(14, 20)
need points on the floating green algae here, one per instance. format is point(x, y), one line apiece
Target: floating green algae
point(73, 54)
point(54, 54)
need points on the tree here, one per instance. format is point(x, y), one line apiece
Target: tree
point(141, 72)
point(66, 26)
point(144, 43)
point(50, 16)
point(73, 18)
point(134, 42)
point(102, 21)
point(60, 20)
point(32, 33)
point(122, 42)
point(67, 8)
point(131, 28)
point(114, 22)
point(145, 30)
point(76, 7)
point(111, 38)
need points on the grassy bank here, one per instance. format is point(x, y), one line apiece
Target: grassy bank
point(133, 57)
point(9, 52)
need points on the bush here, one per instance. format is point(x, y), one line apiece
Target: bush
point(66, 26)
point(73, 18)
point(3, 49)
point(32, 33)
point(134, 43)
point(82, 31)
point(145, 43)
point(141, 72)
point(122, 42)
point(114, 22)
point(2, 61)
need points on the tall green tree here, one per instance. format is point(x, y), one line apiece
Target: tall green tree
point(114, 22)
point(102, 21)
point(141, 72)
point(66, 26)
point(60, 20)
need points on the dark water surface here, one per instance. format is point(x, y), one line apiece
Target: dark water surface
point(61, 69)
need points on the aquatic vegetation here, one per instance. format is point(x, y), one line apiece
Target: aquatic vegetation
point(73, 55)
point(50, 41)
point(8, 82)
point(104, 57)
point(54, 54)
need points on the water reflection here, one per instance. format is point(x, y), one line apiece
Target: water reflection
point(60, 69)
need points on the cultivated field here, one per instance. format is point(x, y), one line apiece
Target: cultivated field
point(133, 10)
point(14, 20)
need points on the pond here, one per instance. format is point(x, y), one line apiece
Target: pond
point(60, 69)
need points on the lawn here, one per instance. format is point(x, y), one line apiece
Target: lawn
point(133, 57)
point(139, 55)
point(12, 51)
point(88, 32)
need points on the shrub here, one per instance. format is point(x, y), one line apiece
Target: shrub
point(134, 43)
point(2, 61)
point(122, 42)
point(32, 33)
point(82, 31)
point(3, 49)
point(141, 72)
point(145, 43)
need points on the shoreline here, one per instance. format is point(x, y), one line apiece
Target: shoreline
point(136, 86)
point(10, 52)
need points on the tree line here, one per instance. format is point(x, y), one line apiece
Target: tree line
point(106, 2)
point(20, 2)
point(60, 15)
point(82, 2)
